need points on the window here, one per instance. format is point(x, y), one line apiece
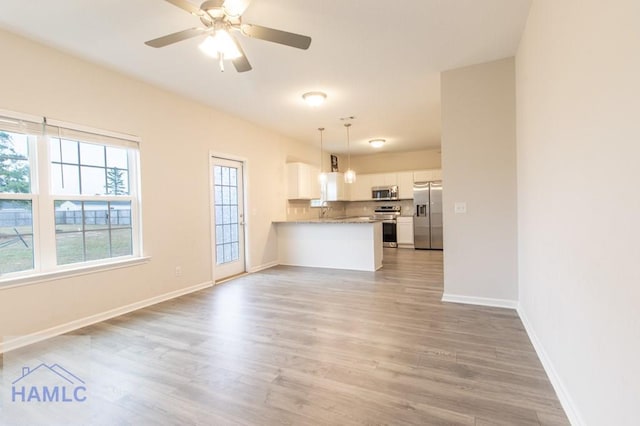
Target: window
point(17, 141)
point(77, 205)
point(88, 169)
point(91, 230)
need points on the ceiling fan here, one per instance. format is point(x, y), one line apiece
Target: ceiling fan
point(220, 18)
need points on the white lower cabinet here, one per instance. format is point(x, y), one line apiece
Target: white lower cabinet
point(404, 231)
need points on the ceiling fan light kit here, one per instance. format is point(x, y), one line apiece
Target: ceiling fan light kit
point(220, 44)
point(214, 8)
point(377, 143)
point(314, 98)
point(220, 18)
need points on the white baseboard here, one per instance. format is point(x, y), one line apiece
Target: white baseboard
point(263, 267)
point(20, 341)
point(481, 301)
point(406, 246)
point(564, 397)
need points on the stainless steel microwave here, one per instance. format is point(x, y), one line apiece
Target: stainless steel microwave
point(384, 192)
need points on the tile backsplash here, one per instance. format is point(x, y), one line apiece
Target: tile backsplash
point(300, 209)
point(366, 208)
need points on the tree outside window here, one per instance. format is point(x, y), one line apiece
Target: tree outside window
point(14, 167)
point(115, 182)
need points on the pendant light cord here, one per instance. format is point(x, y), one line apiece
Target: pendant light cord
point(347, 125)
point(321, 129)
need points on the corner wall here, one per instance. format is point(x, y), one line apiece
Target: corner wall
point(479, 169)
point(578, 109)
point(177, 136)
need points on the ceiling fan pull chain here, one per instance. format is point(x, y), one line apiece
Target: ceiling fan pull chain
point(221, 61)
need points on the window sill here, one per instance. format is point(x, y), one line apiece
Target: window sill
point(12, 282)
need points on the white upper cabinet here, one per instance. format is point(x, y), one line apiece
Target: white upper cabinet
point(390, 179)
point(427, 175)
point(361, 188)
point(304, 185)
point(405, 185)
point(376, 179)
point(383, 179)
point(314, 181)
point(336, 188)
point(302, 181)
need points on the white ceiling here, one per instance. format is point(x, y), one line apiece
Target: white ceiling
point(376, 60)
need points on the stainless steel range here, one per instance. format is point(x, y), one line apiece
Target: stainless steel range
point(389, 217)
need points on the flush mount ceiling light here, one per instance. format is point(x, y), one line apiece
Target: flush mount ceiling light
point(314, 98)
point(377, 143)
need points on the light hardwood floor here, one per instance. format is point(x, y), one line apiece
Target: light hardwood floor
point(310, 346)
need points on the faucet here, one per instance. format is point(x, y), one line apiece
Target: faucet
point(324, 211)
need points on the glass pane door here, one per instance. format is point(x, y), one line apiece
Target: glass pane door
point(228, 218)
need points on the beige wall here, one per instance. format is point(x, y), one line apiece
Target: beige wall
point(177, 135)
point(394, 161)
point(578, 85)
point(479, 168)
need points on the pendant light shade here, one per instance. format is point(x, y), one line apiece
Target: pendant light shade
point(220, 45)
point(349, 175)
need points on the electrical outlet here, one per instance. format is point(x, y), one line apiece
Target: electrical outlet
point(178, 271)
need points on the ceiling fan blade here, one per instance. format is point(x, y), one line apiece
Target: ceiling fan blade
point(185, 5)
point(276, 36)
point(242, 63)
point(175, 37)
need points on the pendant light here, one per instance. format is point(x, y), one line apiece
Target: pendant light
point(322, 177)
point(349, 175)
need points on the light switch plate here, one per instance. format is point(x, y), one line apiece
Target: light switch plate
point(460, 207)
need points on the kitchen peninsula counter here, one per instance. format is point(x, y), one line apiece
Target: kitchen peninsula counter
point(338, 243)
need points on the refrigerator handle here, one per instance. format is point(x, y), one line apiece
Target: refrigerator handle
point(417, 210)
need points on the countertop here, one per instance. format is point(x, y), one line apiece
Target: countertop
point(354, 219)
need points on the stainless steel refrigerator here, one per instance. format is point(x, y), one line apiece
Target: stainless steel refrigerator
point(427, 215)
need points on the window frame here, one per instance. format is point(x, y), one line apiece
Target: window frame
point(30, 122)
point(43, 198)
